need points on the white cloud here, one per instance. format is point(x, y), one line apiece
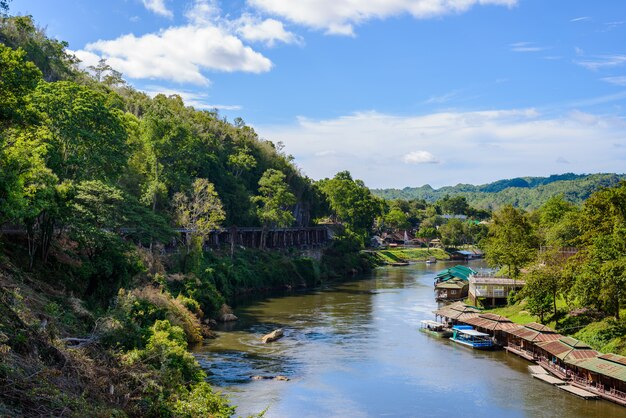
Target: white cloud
point(526, 47)
point(158, 7)
point(420, 157)
point(339, 16)
point(183, 54)
point(472, 147)
point(194, 98)
point(602, 61)
point(619, 80)
point(178, 54)
point(268, 31)
point(580, 19)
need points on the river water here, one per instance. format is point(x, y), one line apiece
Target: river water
point(354, 350)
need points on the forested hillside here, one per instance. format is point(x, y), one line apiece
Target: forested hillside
point(521, 192)
point(96, 314)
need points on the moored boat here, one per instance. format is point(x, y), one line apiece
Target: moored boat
point(435, 329)
point(468, 336)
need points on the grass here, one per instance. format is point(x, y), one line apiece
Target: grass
point(410, 254)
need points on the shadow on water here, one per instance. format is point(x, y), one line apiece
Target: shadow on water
point(354, 349)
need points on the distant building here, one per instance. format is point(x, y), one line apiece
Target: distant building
point(492, 291)
point(452, 284)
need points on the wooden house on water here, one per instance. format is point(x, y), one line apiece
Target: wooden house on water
point(497, 326)
point(559, 355)
point(604, 375)
point(523, 339)
point(452, 284)
point(457, 312)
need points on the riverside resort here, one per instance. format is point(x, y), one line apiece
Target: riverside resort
point(321, 208)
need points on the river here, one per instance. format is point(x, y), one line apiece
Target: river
point(354, 350)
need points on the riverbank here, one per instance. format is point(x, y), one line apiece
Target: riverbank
point(402, 254)
point(128, 356)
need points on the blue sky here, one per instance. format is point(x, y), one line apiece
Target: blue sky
point(401, 93)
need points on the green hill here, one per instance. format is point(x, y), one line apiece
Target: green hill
point(522, 192)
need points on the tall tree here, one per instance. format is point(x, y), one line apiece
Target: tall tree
point(274, 200)
point(352, 202)
point(510, 241)
point(199, 211)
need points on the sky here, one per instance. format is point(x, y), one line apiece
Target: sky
point(399, 92)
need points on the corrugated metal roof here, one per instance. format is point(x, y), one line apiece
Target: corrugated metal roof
point(568, 349)
point(615, 358)
point(451, 284)
point(457, 310)
point(604, 367)
point(458, 271)
point(497, 280)
point(534, 332)
point(539, 327)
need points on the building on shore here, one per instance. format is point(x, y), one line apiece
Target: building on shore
point(452, 284)
point(559, 355)
point(497, 326)
point(492, 291)
point(455, 313)
point(605, 373)
point(523, 339)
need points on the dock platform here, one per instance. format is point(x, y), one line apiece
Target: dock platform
point(579, 392)
point(537, 370)
point(548, 379)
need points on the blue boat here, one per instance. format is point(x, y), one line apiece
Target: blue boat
point(468, 336)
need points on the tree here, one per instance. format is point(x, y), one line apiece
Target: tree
point(351, 202)
point(274, 200)
point(456, 205)
point(88, 137)
point(397, 219)
point(19, 78)
point(510, 241)
point(601, 262)
point(537, 292)
point(452, 232)
point(200, 212)
point(241, 161)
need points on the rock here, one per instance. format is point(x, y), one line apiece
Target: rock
point(228, 317)
point(282, 378)
point(260, 377)
point(272, 336)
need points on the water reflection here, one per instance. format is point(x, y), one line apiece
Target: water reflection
point(354, 350)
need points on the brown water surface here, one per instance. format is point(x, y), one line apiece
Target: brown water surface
point(354, 350)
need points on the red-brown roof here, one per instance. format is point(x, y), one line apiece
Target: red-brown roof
point(492, 322)
point(568, 349)
point(536, 333)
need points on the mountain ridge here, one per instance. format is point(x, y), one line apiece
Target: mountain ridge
point(523, 192)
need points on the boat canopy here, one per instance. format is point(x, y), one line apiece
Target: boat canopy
point(473, 333)
point(430, 323)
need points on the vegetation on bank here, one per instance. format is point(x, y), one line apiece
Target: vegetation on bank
point(95, 315)
point(394, 255)
point(573, 261)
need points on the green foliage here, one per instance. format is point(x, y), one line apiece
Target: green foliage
point(525, 193)
point(201, 400)
point(274, 200)
point(510, 241)
point(351, 202)
point(19, 78)
point(49, 55)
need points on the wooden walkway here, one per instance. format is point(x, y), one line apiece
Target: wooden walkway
point(548, 379)
point(537, 370)
point(579, 392)
point(519, 352)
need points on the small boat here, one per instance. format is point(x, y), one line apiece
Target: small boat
point(435, 329)
point(431, 260)
point(468, 336)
